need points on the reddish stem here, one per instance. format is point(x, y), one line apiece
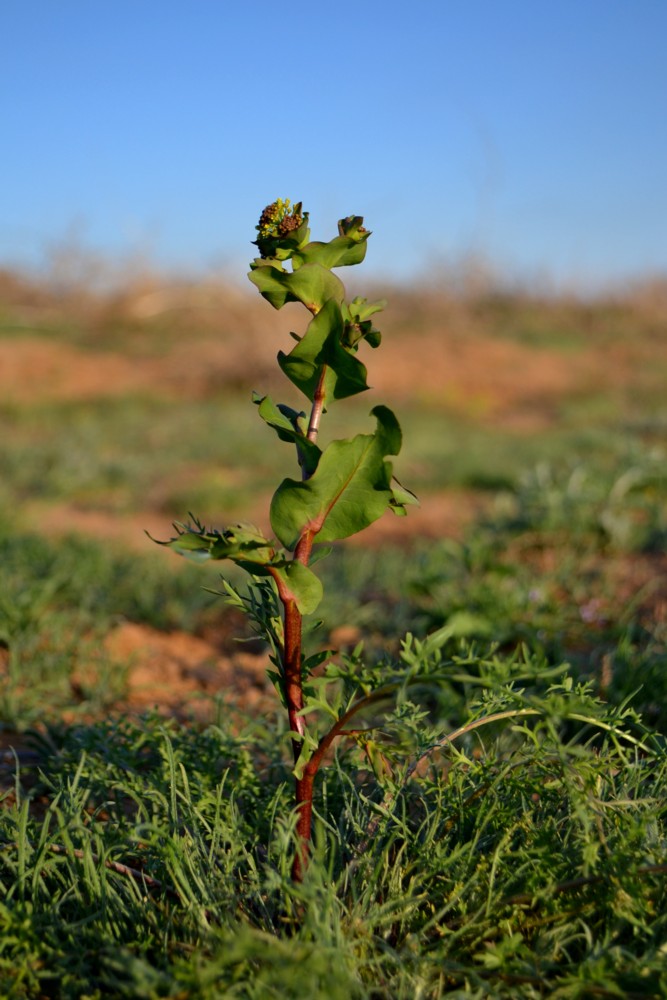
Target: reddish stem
point(292, 672)
point(304, 801)
point(292, 654)
point(318, 407)
point(294, 699)
point(306, 784)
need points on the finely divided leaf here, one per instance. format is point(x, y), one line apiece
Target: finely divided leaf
point(252, 552)
point(243, 541)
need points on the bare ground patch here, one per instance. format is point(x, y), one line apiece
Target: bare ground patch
point(482, 376)
point(181, 674)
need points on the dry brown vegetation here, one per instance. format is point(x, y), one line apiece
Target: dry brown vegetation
point(497, 355)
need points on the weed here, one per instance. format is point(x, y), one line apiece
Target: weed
point(344, 487)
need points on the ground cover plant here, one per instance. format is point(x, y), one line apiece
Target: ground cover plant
point(496, 828)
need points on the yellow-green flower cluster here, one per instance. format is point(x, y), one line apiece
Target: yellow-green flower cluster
point(279, 219)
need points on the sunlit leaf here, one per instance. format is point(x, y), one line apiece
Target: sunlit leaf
point(350, 489)
point(320, 348)
point(311, 284)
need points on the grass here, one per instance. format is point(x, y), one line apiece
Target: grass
point(526, 856)
point(144, 858)
point(528, 864)
point(138, 453)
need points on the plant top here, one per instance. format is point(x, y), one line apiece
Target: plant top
point(346, 486)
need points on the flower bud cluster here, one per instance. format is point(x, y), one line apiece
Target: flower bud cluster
point(276, 223)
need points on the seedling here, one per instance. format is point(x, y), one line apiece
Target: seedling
point(342, 489)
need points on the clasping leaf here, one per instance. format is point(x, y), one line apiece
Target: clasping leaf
point(311, 284)
point(350, 488)
point(319, 348)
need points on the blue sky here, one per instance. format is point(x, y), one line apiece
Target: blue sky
point(532, 133)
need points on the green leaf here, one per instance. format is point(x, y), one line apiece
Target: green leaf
point(314, 285)
point(350, 489)
point(308, 747)
point(243, 542)
point(245, 546)
point(267, 275)
point(460, 625)
point(360, 309)
point(358, 325)
point(300, 585)
point(285, 421)
point(401, 497)
point(309, 663)
point(311, 284)
point(320, 553)
point(319, 348)
point(339, 252)
point(353, 226)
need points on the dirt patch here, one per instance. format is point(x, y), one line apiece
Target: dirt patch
point(482, 376)
point(439, 515)
point(40, 369)
point(182, 674)
point(36, 368)
point(125, 531)
point(475, 375)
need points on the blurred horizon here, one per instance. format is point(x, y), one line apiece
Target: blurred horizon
point(519, 142)
point(73, 268)
point(77, 281)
